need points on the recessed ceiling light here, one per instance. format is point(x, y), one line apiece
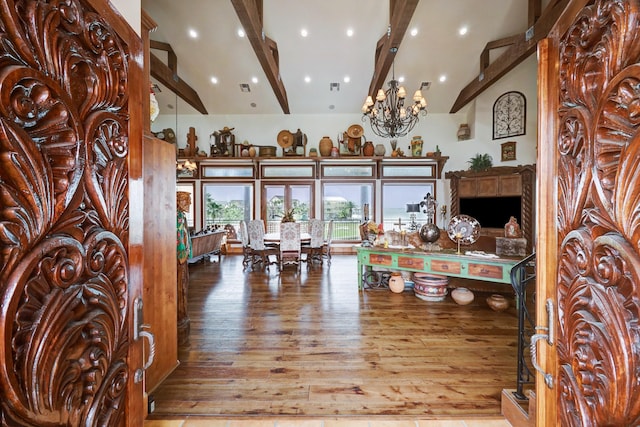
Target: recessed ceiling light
point(304, 32)
point(401, 79)
point(463, 30)
point(442, 78)
point(350, 32)
point(214, 80)
point(346, 79)
point(307, 79)
point(193, 33)
point(241, 32)
point(254, 80)
point(414, 32)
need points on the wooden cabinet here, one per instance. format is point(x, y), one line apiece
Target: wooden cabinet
point(160, 260)
point(494, 185)
point(159, 251)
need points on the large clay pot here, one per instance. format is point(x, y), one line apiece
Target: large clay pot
point(396, 283)
point(325, 146)
point(368, 149)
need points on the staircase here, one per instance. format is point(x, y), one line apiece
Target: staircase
point(519, 412)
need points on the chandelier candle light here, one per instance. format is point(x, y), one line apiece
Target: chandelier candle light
point(388, 116)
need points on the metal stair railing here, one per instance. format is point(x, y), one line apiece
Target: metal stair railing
point(523, 274)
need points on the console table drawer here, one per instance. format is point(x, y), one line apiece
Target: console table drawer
point(486, 270)
point(411, 262)
point(380, 259)
point(443, 266)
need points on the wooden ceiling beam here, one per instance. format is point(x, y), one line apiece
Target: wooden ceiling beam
point(521, 47)
point(170, 79)
point(401, 13)
point(250, 14)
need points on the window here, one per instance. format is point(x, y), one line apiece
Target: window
point(227, 204)
point(396, 197)
point(278, 197)
point(344, 204)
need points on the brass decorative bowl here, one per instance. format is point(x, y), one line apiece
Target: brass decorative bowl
point(267, 151)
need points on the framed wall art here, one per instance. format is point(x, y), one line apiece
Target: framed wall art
point(508, 151)
point(509, 115)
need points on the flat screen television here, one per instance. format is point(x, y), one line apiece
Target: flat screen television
point(492, 212)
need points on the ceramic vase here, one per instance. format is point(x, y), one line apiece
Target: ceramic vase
point(368, 149)
point(325, 146)
point(396, 283)
point(416, 146)
point(379, 150)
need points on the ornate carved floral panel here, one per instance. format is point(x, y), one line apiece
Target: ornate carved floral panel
point(64, 215)
point(599, 217)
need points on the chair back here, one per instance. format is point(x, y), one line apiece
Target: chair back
point(289, 237)
point(244, 234)
point(329, 233)
point(256, 234)
point(316, 230)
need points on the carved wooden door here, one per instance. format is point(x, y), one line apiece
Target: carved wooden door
point(70, 140)
point(589, 216)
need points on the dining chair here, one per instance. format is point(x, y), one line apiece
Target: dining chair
point(260, 253)
point(313, 250)
point(247, 253)
point(326, 247)
point(289, 244)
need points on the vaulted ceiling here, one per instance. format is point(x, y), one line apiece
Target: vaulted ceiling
point(274, 52)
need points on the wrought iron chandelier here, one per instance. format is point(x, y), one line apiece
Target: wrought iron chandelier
point(388, 116)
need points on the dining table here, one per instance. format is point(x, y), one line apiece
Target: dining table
point(274, 238)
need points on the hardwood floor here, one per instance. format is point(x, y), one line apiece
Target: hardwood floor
point(309, 344)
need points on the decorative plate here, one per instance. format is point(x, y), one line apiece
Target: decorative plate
point(355, 131)
point(285, 139)
point(464, 228)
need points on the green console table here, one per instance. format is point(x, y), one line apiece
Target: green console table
point(445, 262)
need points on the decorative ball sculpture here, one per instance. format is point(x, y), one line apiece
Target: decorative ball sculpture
point(429, 233)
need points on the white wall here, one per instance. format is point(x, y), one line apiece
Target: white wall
point(131, 11)
point(435, 129)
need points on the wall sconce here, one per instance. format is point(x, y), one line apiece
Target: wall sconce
point(187, 165)
point(464, 132)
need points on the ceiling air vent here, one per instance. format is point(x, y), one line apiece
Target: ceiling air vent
point(334, 86)
point(425, 85)
point(244, 87)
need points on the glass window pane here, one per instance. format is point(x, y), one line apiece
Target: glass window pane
point(227, 204)
point(408, 171)
point(344, 203)
point(290, 171)
point(274, 197)
point(300, 202)
point(228, 172)
point(359, 171)
point(396, 197)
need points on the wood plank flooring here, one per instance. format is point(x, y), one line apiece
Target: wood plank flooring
point(309, 344)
